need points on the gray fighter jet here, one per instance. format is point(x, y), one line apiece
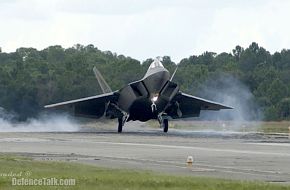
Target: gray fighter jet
point(155, 96)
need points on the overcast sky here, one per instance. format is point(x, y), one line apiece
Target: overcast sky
point(146, 28)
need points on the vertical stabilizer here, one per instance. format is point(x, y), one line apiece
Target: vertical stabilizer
point(103, 84)
point(173, 73)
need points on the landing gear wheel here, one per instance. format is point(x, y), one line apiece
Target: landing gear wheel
point(165, 125)
point(120, 125)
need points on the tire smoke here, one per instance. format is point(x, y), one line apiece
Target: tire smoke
point(44, 123)
point(230, 91)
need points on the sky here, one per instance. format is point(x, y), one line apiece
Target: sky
point(145, 29)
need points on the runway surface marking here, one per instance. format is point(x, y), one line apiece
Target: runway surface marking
point(24, 140)
point(272, 144)
point(168, 146)
point(194, 148)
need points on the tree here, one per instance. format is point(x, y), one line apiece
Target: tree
point(277, 91)
point(237, 52)
point(30, 78)
point(284, 108)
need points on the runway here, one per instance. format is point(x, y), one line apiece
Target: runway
point(230, 155)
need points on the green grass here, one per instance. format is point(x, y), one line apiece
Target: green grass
point(264, 127)
point(90, 177)
point(275, 127)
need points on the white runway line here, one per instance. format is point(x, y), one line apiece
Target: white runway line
point(195, 148)
point(23, 140)
point(272, 144)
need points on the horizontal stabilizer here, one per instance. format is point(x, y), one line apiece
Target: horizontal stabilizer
point(92, 107)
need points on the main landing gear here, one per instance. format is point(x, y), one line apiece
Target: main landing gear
point(120, 125)
point(121, 122)
point(165, 125)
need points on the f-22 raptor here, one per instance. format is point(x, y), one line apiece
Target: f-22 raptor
point(155, 97)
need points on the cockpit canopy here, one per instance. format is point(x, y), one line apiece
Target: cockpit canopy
point(155, 67)
point(156, 63)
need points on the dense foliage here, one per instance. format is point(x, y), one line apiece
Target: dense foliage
point(30, 78)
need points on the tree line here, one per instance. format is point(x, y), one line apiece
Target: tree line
point(31, 78)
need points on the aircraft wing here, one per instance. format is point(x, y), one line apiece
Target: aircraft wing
point(189, 106)
point(202, 103)
point(93, 106)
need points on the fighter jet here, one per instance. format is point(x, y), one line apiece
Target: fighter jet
point(154, 97)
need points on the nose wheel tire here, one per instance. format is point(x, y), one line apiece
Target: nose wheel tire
point(165, 125)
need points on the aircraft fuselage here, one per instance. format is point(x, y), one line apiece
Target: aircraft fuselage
point(143, 100)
